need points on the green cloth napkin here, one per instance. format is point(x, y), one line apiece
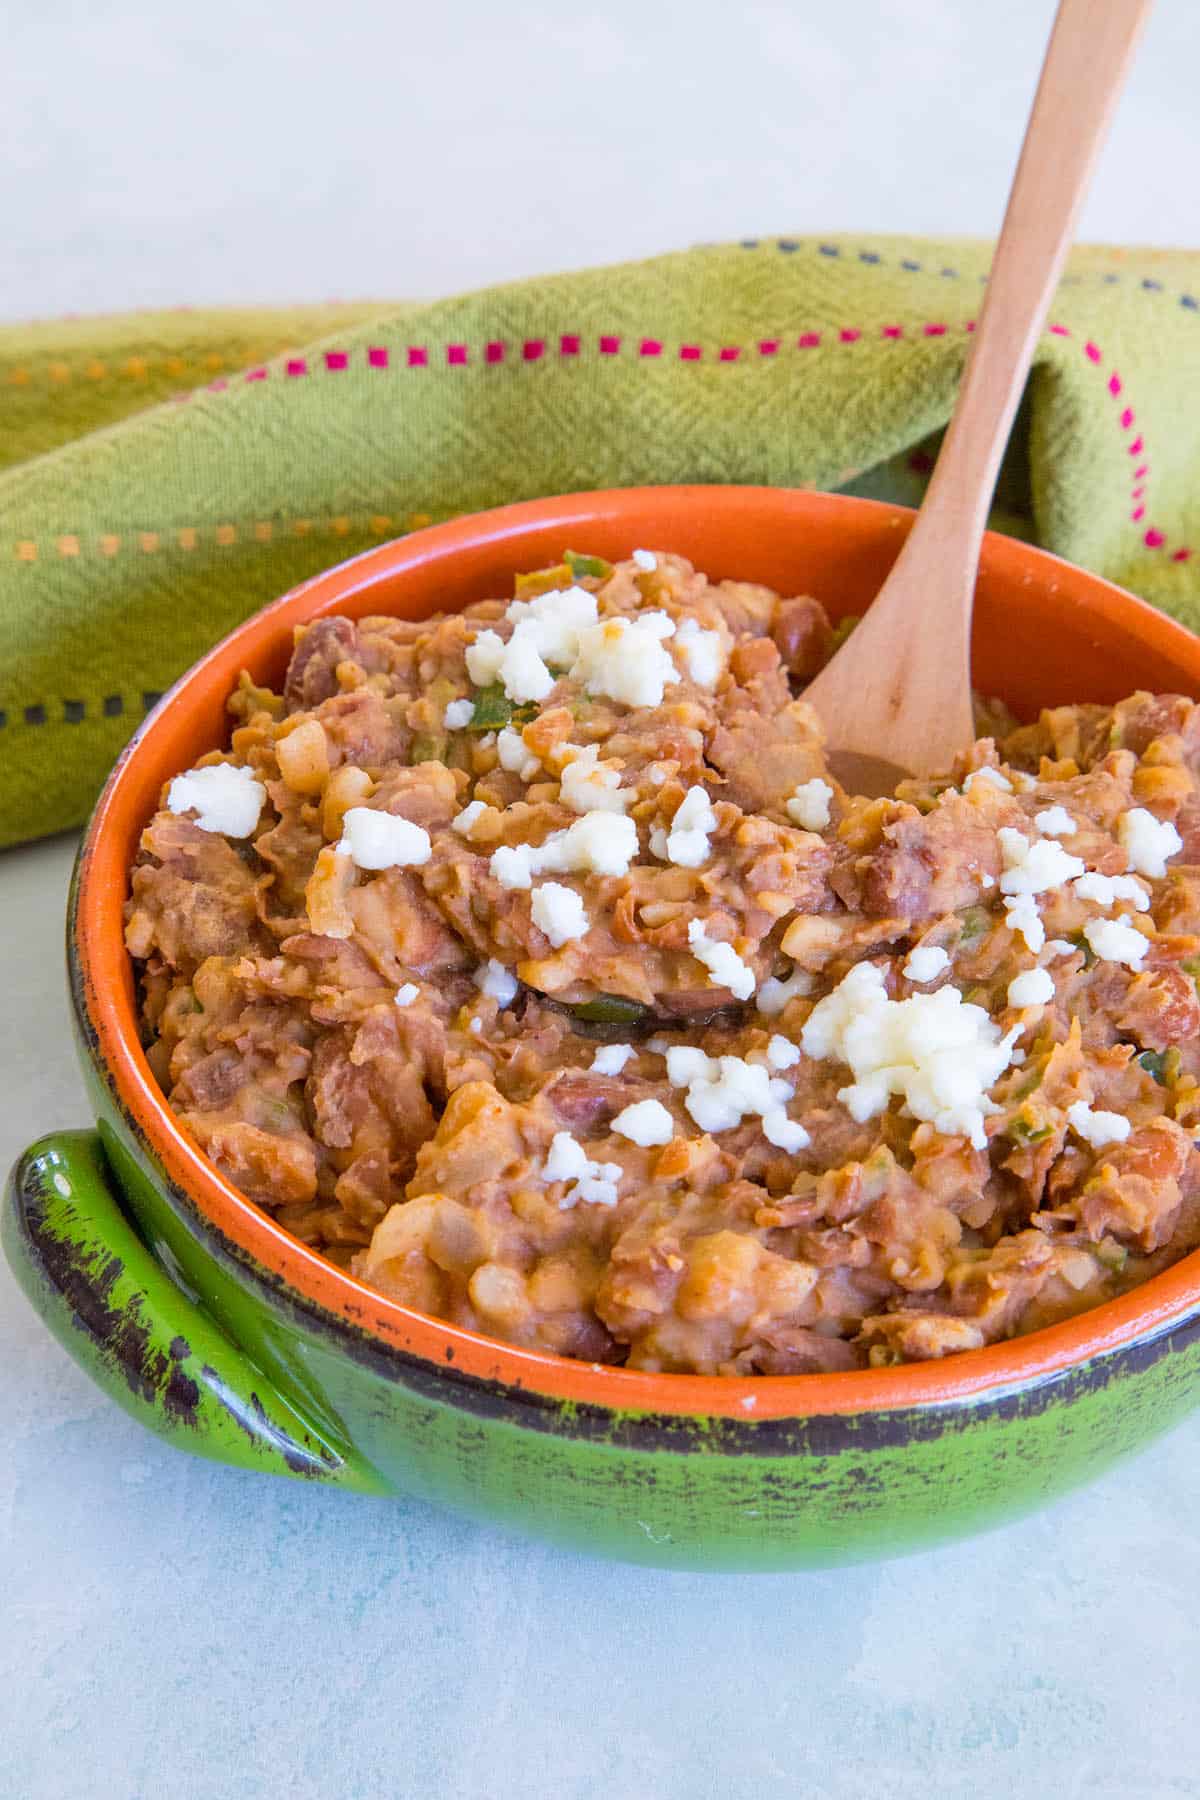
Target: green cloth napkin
point(164, 474)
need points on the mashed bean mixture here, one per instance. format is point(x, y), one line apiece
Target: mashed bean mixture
point(530, 963)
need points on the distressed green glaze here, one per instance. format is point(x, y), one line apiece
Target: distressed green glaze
point(139, 1336)
point(280, 1386)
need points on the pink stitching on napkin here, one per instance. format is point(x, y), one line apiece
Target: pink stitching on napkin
point(571, 344)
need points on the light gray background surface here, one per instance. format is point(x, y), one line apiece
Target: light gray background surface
point(171, 1629)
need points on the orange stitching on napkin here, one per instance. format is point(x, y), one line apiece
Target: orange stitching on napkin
point(224, 535)
point(457, 355)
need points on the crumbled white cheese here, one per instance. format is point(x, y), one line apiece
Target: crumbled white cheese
point(553, 622)
point(646, 1122)
point(595, 1182)
point(725, 967)
point(476, 1026)
point(494, 979)
point(937, 1051)
point(1022, 915)
point(467, 817)
point(986, 880)
point(458, 714)
point(484, 656)
point(510, 748)
point(597, 844)
point(382, 840)
point(1055, 821)
point(686, 1064)
point(701, 652)
point(407, 994)
point(1033, 868)
point(1057, 947)
point(560, 913)
point(723, 1090)
point(1032, 988)
point(1117, 940)
point(224, 797)
point(625, 660)
point(686, 840)
point(658, 773)
point(1097, 1128)
point(783, 1132)
point(1147, 841)
point(926, 963)
point(545, 635)
point(523, 670)
point(645, 560)
point(610, 1059)
point(1106, 890)
point(993, 776)
point(588, 785)
point(774, 995)
point(809, 805)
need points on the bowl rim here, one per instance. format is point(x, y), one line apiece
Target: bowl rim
point(102, 997)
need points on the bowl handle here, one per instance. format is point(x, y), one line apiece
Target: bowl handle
point(119, 1315)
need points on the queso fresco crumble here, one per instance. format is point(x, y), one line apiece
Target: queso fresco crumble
point(530, 963)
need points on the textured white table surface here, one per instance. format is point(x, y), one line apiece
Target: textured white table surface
point(173, 1629)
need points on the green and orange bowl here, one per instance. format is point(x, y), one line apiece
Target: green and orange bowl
point(223, 1334)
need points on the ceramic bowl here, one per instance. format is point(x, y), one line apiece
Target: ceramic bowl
point(222, 1333)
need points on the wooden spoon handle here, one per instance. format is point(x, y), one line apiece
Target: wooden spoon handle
point(898, 692)
point(1090, 49)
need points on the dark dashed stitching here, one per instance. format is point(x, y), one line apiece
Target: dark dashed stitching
point(1108, 276)
point(74, 712)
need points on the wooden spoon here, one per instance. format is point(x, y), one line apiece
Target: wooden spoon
point(896, 698)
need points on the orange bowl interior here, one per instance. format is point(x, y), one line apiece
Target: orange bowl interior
point(1045, 633)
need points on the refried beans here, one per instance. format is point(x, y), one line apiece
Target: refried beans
point(529, 963)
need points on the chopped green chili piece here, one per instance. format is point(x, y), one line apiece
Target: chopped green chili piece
point(1080, 942)
point(494, 710)
point(1162, 1064)
point(542, 581)
point(975, 923)
point(587, 565)
point(1025, 1132)
point(1113, 1256)
point(842, 630)
point(427, 748)
point(609, 1009)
